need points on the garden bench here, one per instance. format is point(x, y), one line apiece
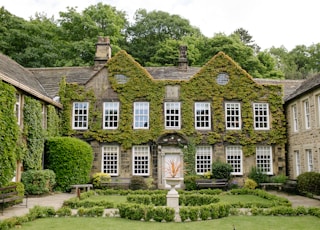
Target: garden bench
point(118, 183)
point(78, 187)
point(10, 194)
point(265, 185)
point(212, 183)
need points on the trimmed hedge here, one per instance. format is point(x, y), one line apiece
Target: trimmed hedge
point(38, 182)
point(70, 159)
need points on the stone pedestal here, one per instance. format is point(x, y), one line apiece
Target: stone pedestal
point(173, 195)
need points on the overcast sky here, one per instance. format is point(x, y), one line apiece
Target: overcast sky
point(269, 22)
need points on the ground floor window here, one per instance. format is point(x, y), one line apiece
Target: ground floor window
point(309, 159)
point(298, 164)
point(234, 158)
point(264, 159)
point(110, 160)
point(203, 159)
point(141, 159)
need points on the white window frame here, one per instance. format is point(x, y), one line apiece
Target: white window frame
point(261, 116)
point(110, 159)
point(233, 115)
point(306, 106)
point(172, 115)
point(141, 115)
point(234, 158)
point(44, 116)
point(295, 118)
point(309, 159)
point(141, 160)
point(297, 161)
point(82, 113)
point(202, 115)
point(319, 110)
point(111, 115)
point(264, 159)
point(203, 159)
point(17, 108)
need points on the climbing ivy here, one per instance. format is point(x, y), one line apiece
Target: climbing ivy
point(140, 86)
point(53, 122)
point(34, 133)
point(9, 131)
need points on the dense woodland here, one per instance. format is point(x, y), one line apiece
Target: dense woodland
point(152, 39)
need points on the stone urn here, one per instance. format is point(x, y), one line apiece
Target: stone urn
point(173, 182)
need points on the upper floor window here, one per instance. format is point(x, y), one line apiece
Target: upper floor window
point(110, 115)
point(234, 158)
point(110, 160)
point(80, 115)
point(203, 159)
point(141, 160)
point(264, 159)
point(295, 118)
point(172, 115)
point(233, 115)
point(309, 159)
point(141, 115)
point(307, 113)
point(202, 114)
point(298, 162)
point(17, 107)
point(261, 116)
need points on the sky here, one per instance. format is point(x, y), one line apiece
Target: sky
point(275, 23)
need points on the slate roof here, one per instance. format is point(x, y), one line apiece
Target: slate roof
point(20, 77)
point(308, 85)
point(50, 78)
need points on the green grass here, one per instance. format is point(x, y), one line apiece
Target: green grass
point(240, 222)
point(243, 199)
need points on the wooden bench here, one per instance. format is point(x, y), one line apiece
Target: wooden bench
point(265, 185)
point(212, 183)
point(118, 183)
point(10, 194)
point(78, 187)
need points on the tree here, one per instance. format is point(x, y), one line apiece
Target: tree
point(246, 38)
point(145, 36)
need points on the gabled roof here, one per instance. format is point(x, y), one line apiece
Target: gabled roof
point(23, 79)
point(50, 78)
point(309, 84)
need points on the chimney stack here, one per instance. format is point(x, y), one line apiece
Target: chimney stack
point(103, 51)
point(183, 61)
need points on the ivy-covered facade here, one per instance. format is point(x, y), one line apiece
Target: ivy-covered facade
point(138, 119)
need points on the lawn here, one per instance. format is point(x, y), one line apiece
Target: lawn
point(239, 222)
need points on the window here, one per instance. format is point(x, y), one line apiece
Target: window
point(307, 114)
point(203, 159)
point(298, 164)
point(202, 115)
point(232, 114)
point(261, 116)
point(141, 155)
point(309, 160)
point(295, 118)
point(234, 158)
point(80, 115)
point(110, 115)
point(17, 107)
point(141, 115)
point(110, 160)
point(264, 159)
point(44, 116)
point(172, 115)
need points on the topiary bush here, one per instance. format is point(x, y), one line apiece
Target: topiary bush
point(138, 182)
point(309, 182)
point(221, 170)
point(100, 178)
point(250, 184)
point(70, 159)
point(38, 182)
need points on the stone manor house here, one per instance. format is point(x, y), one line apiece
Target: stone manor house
point(137, 119)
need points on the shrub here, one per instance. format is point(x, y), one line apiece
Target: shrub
point(38, 182)
point(279, 179)
point(99, 178)
point(64, 211)
point(221, 170)
point(137, 182)
point(257, 175)
point(70, 159)
point(309, 182)
point(190, 182)
point(20, 188)
point(250, 184)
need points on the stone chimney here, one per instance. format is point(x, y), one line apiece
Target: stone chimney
point(183, 61)
point(103, 51)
